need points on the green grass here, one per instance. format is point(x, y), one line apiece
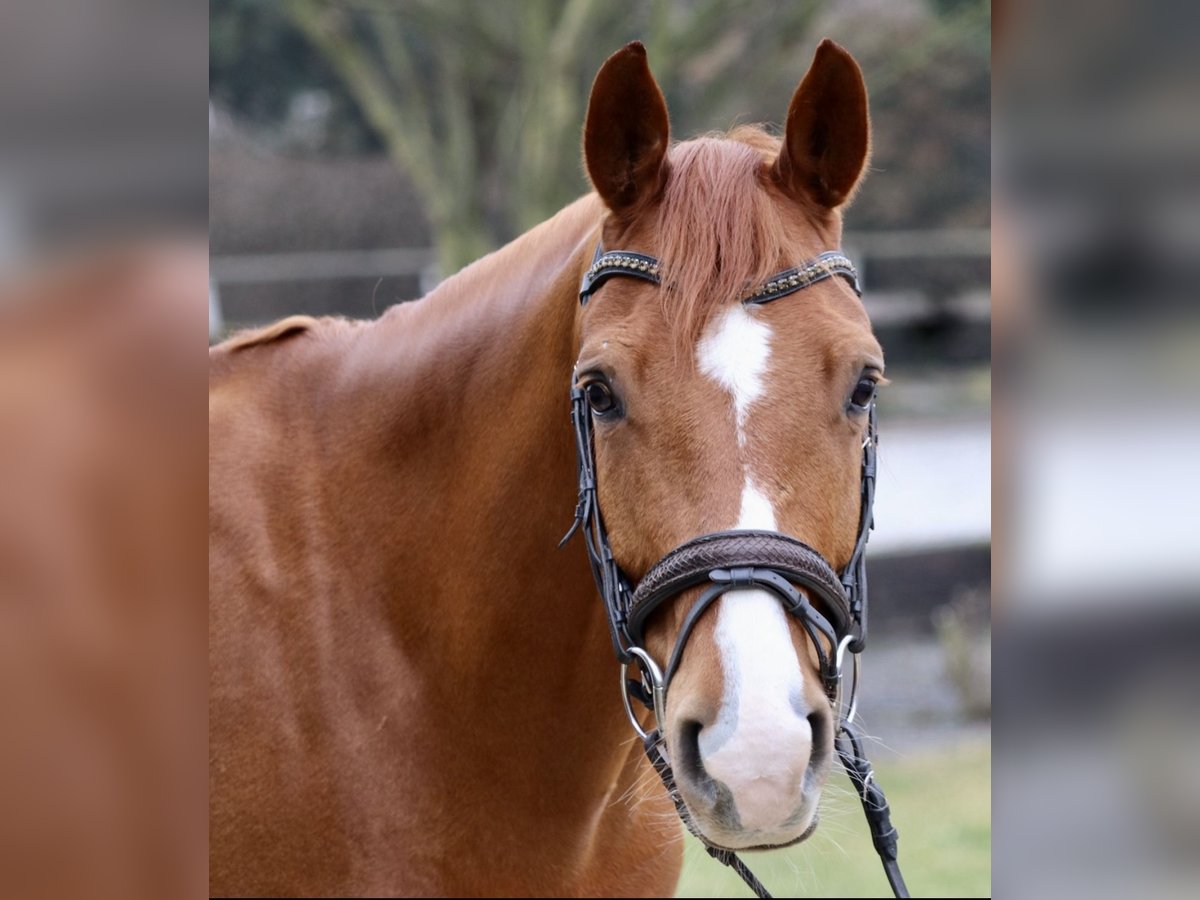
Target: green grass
point(941, 805)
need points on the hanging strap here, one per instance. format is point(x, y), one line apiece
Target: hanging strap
point(656, 752)
point(858, 767)
point(879, 815)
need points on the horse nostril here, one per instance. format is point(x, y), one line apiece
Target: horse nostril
point(689, 747)
point(822, 739)
point(689, 762)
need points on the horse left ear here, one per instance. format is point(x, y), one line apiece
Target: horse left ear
point(828, 135)
point(627, 130)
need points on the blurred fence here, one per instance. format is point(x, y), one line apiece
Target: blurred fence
point(920, 283)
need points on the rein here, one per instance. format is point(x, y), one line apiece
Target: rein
point(736, 560)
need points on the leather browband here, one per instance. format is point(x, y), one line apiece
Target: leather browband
point(647, 268)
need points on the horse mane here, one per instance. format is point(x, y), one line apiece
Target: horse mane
point(253, 337)
point(719, 233)
point(292, 326)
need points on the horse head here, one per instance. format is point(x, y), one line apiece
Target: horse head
point(712, 414)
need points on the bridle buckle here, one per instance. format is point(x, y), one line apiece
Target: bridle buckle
point(738, 577)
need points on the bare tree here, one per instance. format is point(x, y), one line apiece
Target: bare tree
point(481, 104)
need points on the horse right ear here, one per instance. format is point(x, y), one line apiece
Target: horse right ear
point(828, 136)
point(627, 130)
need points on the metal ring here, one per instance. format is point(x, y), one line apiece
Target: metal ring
point(841, 651)
point(838, 661)
point(647, 668)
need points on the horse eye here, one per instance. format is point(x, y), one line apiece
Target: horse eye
point(600, 397)
point(864, 393)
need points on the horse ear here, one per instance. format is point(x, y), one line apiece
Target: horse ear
point(627, 130)
point(828, 135)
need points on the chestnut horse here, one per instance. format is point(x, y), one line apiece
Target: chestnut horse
point(412, 690)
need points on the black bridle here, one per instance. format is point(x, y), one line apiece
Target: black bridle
point(788, 569)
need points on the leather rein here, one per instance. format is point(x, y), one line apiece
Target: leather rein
point(737, 560)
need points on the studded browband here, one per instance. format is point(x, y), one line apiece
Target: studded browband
point(647, 268)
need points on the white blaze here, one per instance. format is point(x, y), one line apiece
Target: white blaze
point(753, 745)
point(757, 512)
point(735, 353)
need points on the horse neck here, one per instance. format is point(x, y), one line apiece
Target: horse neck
point(477, 377)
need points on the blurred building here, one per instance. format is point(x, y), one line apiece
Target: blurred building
point(323, 235)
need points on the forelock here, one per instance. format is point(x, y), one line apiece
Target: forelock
point(719, 231)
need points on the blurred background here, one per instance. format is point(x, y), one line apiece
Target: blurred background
point(103, 452)
point(1095, 277)
point(360, 151)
